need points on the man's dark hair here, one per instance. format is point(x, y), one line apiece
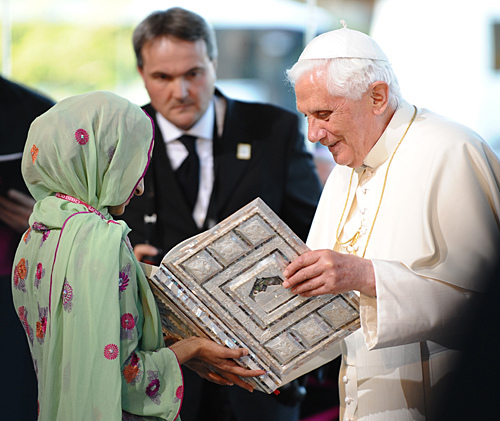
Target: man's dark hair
point(175, 22)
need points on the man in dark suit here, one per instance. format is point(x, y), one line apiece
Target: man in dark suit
point(238, 151)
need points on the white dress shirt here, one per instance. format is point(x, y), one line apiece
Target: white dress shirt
point(203, 131)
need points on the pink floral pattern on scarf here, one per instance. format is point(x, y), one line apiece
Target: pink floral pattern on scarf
point(40, 273)
point(153, 389)
point(111, 351)
point(67, 297)
point(81, 136)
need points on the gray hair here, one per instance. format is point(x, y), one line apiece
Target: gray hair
point(176, 22)
point(350, 77)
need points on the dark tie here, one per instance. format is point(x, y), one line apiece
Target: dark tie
point(188, 173)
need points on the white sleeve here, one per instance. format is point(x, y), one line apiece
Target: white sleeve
point(409, 307)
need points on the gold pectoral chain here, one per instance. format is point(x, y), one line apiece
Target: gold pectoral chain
point(353, 240)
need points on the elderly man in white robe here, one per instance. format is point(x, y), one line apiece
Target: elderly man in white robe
point(409, 218)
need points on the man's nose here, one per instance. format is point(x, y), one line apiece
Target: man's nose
point(315, 131)
point(180, 88)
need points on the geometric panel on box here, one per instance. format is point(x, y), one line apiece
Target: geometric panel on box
point(226, 284)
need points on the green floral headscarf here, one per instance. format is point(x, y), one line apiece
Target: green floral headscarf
point(94, 147)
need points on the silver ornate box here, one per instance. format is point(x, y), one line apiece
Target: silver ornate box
point(226, 284)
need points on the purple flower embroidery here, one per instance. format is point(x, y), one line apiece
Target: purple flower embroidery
point(111, 152)
point(128, 322)
point(67, 296)
point(153, 389)
point(134, 359)
point(127, 326)
point(111, 351)
point(81, 136)
point(45, 235)
point(124, 277)
point(39, 227)
point(23, 316)
point(45, 231)
point(20, 274)
point(123, 283)
point(132, 372)
point(41, 325)
point(40, 272)
point(129, 244)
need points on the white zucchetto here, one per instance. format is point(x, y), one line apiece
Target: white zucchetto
point(343, 43)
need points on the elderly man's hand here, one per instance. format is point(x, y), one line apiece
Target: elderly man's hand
point(322, 272)
point(15, 210)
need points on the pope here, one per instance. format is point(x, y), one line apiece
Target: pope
point(409, 219)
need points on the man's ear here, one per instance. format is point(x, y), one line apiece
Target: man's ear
point(379, 96)
point(141, 71)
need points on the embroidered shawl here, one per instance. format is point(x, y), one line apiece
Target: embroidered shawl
point(90, 318)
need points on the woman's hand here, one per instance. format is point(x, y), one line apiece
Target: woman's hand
point(222, 378)
point(214, 362)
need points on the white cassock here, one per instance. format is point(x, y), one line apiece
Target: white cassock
point(435, 237)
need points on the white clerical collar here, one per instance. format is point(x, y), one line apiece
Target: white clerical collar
point(203, 128)
point(389, 140)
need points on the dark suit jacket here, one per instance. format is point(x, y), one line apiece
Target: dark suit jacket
point(280, 171)
point(19, 106)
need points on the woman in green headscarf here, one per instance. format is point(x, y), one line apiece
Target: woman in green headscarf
point(89, 315)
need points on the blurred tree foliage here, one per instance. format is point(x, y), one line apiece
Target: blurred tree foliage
point(67, 59)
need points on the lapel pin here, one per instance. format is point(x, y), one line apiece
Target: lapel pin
point(244, 151)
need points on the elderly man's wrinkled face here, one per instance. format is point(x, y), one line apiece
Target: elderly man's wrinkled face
point(179, 78)
point(343, 125)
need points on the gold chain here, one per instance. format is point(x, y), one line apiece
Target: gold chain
point(356, 236)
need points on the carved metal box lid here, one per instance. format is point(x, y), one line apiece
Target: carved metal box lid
point(226, 284)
